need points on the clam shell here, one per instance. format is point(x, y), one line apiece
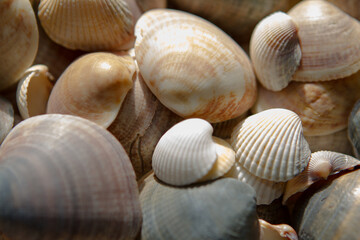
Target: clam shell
point(93, 87)
point(88, 25)
point(271, 145)
point(6, 118)
point(223, 209)
point(354, 128)
point(33, 91)
point(329, 40)
point(64, 177)
point(192, 67)
point(187, 153)
point(275, 50)
point(19, 40)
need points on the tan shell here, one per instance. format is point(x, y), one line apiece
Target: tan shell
point(271, 145)
point(6, 118)
point(276, 232)
point(275, 50)
point(323, 107)
point(33, 91)
point(88, 25)
point(19, 40)
point(192, 67)
point(351, 7)
point(93, 87)
point(187, 153)
point(329, 40)
point(68, 177)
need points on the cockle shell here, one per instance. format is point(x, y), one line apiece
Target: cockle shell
point(271, 145)
point(19, 40)
point(187, 153)
point(275, 50)
point(222, 209)
point(192, 67)
point(354, 128)
point(6, 117)
point(33, 91)
point(329, 40)
point(93, 87)
point(88, 25)
point(64, 177)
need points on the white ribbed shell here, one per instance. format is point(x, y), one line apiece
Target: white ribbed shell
point(271, 145)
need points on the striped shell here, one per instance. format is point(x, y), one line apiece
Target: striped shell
point(271, 145)
point(192, 67)
point(329, 40)
point(275, 50)
point(6, 118)
point(187, 153)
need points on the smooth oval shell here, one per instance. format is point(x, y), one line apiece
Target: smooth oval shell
point(192, 67)
point(354, 128)
point(88, 25)
point(64, 177)
point(329, 40)
point(6, 118)
point(271, 145)
point(93, 87)
point(223, 209)
point(275, 50)
point(19, 40)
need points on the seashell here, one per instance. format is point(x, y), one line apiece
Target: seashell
point(64, 177)
point(351, 7)
point(89, 25)
point(207, 211)
point(33, 91)
point(275, 50)
point(329, 41)
point(224, 129)
point(354, 129)
point(271, 145)
point(19, 40)
point(276, 232)
point(187, 153)
point(329, 210)
point(323, 107)
point(93, 87)
point(266, 191)
point(192, 67)
point(321, 165)
point(6, 118)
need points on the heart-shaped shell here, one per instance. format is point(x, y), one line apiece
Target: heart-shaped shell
point(354, 128)
point(88, 25)
point(19, 40)
point(271, 145)
point(93, 87)
point(6, 118)
point(64, 177)
point(187, 153)
point(329, 40)
point(275, 50)
point(192, 67)
point(223, 209)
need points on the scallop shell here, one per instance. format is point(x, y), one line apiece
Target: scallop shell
point(88, 25)
point(354, 129)
point(329, 40)
point(223, 209)
point(93, 87)
point(192, 67)
point(33, 91)
point(19, 40)
point(271, 145)
point(275, 50)
point(187, 153)
point(64, 177)
point(6, 118)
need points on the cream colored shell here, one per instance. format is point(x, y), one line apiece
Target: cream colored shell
point(187, 153)
point(192, 67)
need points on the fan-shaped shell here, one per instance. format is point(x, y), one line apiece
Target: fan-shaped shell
point(93, 87)
point(88, 25)
point(19, 40)
point(275, 50)
point(187, 153)
point(271, 145)
point(192, 67)
point(354, 128)
point(6, 117)
point(64, 177)
point(223, 209)
point(329, 40)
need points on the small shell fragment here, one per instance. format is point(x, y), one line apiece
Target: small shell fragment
point(276, 232)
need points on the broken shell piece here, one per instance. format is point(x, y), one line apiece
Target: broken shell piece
point(33, 91)
point(276, 232)
point(6, 118)
point(321, 165)
point(187, 153)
